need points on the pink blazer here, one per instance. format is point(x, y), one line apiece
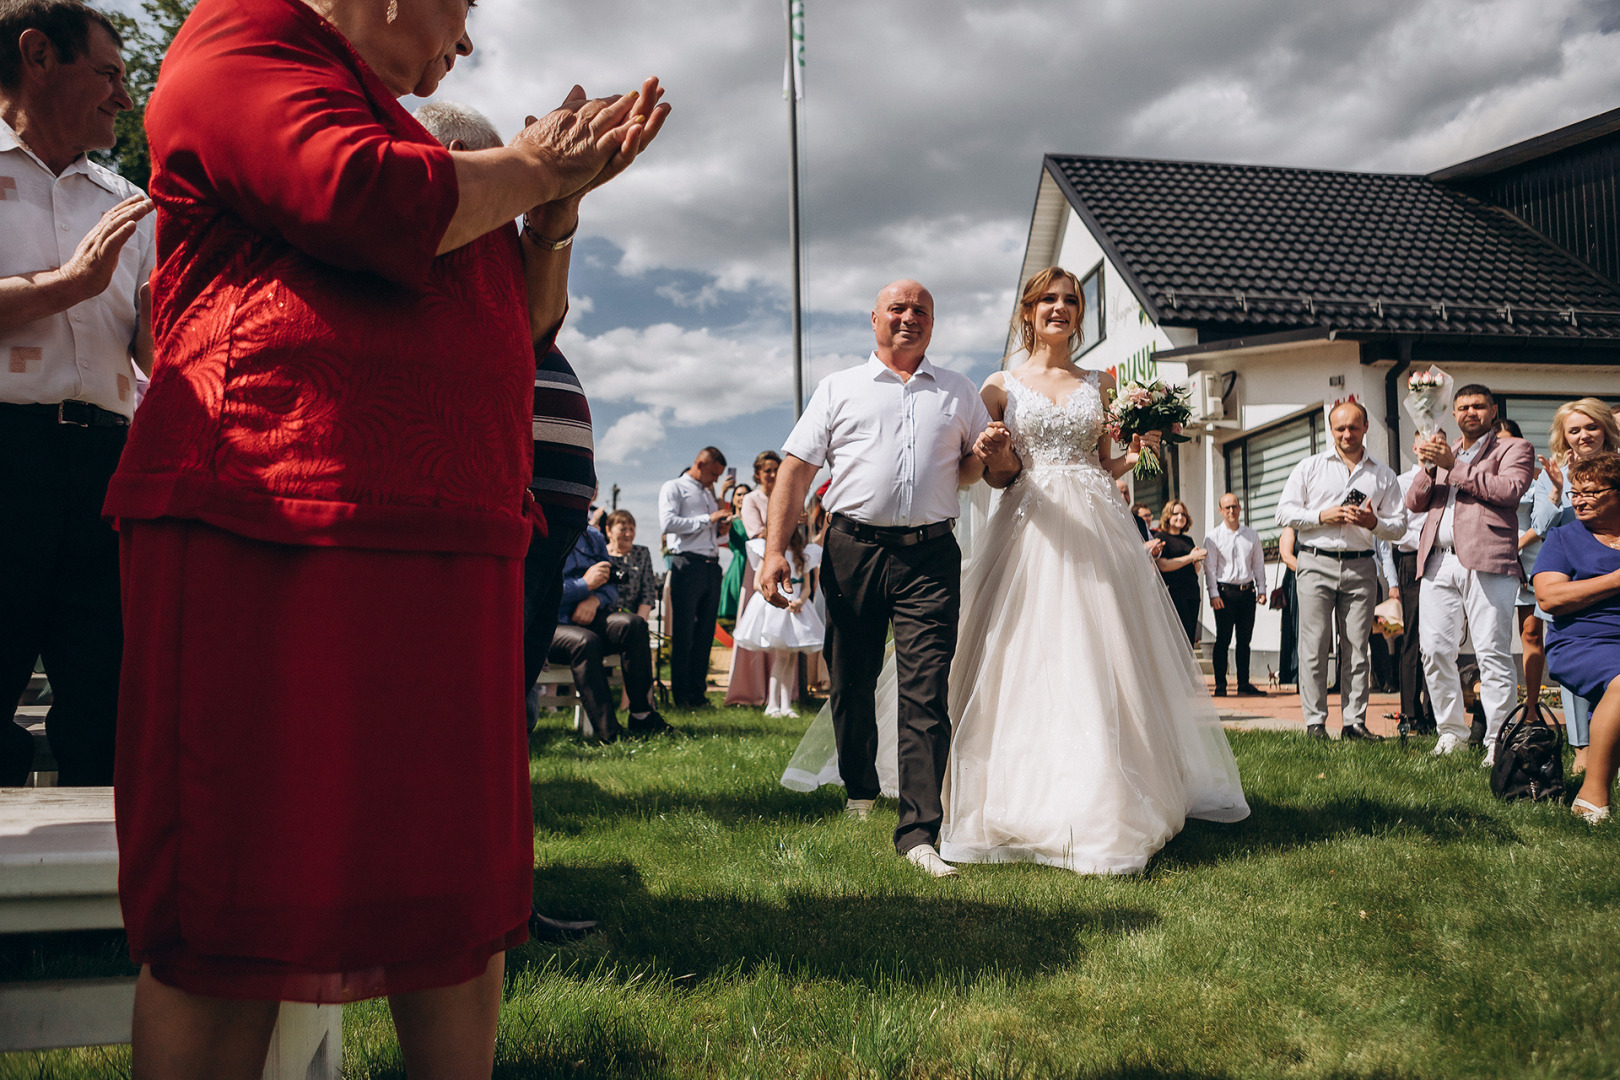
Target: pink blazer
point(1486, 527)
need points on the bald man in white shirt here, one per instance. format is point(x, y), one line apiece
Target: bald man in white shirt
point(898, 434)
point(76, 250)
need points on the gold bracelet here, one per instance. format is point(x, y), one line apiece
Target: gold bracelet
point(548, 245)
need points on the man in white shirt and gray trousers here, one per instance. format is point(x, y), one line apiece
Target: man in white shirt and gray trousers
point(899, 435)
point(1235, 572)
point(692, 521)
point(76, 250)
point(1339, 503)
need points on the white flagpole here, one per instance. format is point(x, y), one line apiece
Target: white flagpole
point(793, 90)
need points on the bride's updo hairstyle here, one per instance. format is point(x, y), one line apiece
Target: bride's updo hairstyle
point(1023, 321)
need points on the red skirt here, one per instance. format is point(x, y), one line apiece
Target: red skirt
point(322, 780)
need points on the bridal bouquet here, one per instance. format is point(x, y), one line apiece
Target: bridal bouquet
point(1428, 398)
point(1140, 408)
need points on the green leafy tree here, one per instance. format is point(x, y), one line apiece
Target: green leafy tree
point(145, 43)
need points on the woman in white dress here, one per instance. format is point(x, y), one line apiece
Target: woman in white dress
point(1084, 736)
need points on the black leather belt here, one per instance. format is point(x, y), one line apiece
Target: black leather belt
point(74, 413)
point(694, 555)
point(890, 535)
point(1248, 587)
point(1342, 556)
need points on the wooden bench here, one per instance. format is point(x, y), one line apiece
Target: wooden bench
point(59, 871)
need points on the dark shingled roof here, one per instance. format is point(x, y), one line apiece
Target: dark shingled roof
point(1257, 249)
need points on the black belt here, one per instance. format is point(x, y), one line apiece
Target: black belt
point(1241, 588)
point(694, 555)
point(75, 413)
point(890, 535)
point(1342, 556)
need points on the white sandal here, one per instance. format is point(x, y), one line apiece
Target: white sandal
point(1592, 815)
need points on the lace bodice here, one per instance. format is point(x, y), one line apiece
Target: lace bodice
point(1045, 434)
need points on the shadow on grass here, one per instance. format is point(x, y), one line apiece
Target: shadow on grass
point(568, 804)
point(1273, 828)
point(875, 940)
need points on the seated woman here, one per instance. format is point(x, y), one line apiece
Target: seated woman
point(1577, 580)
point(636, 580)
point(589, 629)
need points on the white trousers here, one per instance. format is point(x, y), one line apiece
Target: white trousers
point(1451, 594)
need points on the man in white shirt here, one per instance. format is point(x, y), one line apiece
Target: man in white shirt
point(898, 434)
point(76, 251)
point(1339, 503)
point(692, 522)
point(1235, 573)
point(1399, 561)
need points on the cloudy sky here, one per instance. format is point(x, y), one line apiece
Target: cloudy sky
point(924, 123)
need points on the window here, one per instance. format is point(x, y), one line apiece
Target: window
point(1257, 467)
point(1091, 323)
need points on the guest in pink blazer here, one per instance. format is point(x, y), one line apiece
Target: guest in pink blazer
point(1469, 555)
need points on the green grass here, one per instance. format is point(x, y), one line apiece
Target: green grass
point(1378, 916)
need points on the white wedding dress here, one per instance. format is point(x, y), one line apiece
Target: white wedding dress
point(1084, 736)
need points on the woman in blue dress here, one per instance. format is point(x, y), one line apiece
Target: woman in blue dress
point(1580, 430)
point(1578, 584)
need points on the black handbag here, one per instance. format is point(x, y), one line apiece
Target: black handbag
point(1529, 757)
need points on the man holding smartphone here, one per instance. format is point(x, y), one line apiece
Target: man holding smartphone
point(1339, 502)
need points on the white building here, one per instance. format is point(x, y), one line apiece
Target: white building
point(1301, 288)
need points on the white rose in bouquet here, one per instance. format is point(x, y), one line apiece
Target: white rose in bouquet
point(1428, 399)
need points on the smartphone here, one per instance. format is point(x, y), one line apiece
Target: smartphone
point(1355, 497)
point(731, 475)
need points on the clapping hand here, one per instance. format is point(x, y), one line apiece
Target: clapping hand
point(589, 141)
point(1555, 477)
point(90, 268)
point(1435, 451)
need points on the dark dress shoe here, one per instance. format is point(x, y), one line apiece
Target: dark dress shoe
point(1359, 731)
point(1219, 691)
point(1250, 690)
point(1316, 731)
point(545, 928)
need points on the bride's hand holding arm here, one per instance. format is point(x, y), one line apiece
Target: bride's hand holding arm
point(994, 449)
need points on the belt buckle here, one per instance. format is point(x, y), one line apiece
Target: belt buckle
point(61, 416)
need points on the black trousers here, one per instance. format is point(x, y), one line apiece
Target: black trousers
point(582, 648)
point(1235, 614)
point(542, 593)
point(1414, 689)
point(1188, 605)
point(59, 592)
point(919, 588)
point(694, 600)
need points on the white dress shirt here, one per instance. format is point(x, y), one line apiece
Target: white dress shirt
point(684, 506)
point(83, 353)
point(1322, 481)
point(1445, 535)
point(895, 447)
point(1235, 558)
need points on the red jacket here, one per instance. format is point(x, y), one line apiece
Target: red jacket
point(321, 377)
point(1485, 525)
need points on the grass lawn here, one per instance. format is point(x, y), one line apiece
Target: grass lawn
point(1378, 916)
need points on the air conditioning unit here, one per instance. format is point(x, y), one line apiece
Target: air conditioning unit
point(1205, 398)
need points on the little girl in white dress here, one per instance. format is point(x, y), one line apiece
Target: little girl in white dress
point(783, 632)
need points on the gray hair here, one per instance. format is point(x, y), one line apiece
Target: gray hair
point(448, 121)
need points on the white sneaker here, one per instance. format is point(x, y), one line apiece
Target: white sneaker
point(1490, 756)
point(926, 859)
point(859, 809)
point(1447, 744)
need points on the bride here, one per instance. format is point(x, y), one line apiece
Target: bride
point(1084, 736)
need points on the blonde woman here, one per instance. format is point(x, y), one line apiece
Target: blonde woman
point(1581, 430)
point(1180, 563)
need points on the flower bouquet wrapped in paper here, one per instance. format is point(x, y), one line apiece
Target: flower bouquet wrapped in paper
point(1428, 399)
point(1140, 408)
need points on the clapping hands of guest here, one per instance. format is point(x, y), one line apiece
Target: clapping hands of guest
point(1434, 452)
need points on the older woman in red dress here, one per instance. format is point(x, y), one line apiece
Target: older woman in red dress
point(323, 514)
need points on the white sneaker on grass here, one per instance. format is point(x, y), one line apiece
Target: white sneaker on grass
point(859, 809)
point(1447, 744)
point(1490, 756)
point(926, 859)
